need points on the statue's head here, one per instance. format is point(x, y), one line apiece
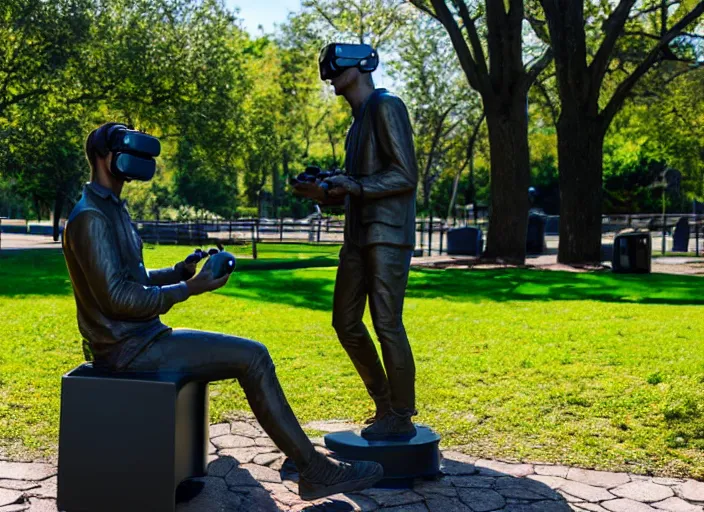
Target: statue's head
point(344, 64)
point(125, 153)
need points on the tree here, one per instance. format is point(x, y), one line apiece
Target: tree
point(503, 82)
point(372, 22)
point(44, 156)
point(585, 73)
point(37, 40)
point(438, 98)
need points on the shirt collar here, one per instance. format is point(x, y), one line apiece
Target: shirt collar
point(360, 112)
point(104, 193)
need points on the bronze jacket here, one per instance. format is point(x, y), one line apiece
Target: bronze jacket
point(118, 301)
point(381, 157)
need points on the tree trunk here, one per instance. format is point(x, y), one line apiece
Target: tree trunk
point(580, 151)
point(58, 210)
point(427, 185)
point(277, 184)
point(507, 122)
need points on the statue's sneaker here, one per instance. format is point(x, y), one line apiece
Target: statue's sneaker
point(390, 426)
point(325, 476)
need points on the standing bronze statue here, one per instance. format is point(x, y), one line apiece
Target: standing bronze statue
point(379, 194)
point(119, 303)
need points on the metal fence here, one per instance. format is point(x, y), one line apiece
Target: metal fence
point(431, 235)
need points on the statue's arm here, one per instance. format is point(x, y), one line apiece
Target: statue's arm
point(168, 276)
point(332, 201)
point(90, 238)
point(395, 139)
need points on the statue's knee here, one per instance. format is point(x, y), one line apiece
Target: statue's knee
point(388, 328)
point(261, 359)
point(345, 328)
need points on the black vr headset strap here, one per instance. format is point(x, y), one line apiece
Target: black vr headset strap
point(101, 138)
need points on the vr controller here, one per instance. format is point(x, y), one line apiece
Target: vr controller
point(221, 261)
point(133, 151)
point(314, 174)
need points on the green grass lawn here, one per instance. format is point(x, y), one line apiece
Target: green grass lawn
point(597, 370)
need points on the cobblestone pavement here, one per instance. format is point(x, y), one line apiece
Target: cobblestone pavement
point(247, 474)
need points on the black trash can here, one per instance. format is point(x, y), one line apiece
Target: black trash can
point(535, 240)
point(632, 252)
point(680, 237)
point(466, 241)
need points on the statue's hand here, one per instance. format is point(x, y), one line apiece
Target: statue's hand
point(309, 190)
point(204, 281)
point(342, 185)
point(187, 268)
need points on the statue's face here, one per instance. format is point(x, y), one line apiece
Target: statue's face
point(346, 80)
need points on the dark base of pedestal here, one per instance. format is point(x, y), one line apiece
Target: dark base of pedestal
point(403, 461)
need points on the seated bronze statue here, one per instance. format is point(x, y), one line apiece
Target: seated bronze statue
point(119, 303)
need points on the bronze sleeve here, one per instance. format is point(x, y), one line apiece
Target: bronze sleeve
point(92, 242)
point(395, 138)
point(167, 276)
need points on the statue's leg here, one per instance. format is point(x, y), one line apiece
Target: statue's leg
point(213, 356)
point(348, 309)
point(387, 270)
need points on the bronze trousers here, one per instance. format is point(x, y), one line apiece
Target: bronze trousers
point(210, 356)
point(379, 273)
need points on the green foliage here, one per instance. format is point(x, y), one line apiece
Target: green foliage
point(234, 114)
point(372, 22)
point(443, 108)
point(238, 115)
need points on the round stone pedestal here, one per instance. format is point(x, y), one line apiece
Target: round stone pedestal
point(403, 461)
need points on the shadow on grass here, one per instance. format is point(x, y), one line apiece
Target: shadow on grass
point(522, 284)
point(33, 272)
point(43, 272)
point(271, 280)
point(479, 285)
point(286, 264)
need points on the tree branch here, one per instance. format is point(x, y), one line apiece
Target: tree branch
point(327, 18)
point(538, 67)
point(21, 97)
point(540, 27)
point(551, 104)
point(612, 27)
point(638, 33)
point(418, 4)
point(654, 8)
point(465, 56)
point(625, 87)
point(471, 28)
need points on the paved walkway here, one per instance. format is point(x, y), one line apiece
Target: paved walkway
point(14, 241)
point(248, 474)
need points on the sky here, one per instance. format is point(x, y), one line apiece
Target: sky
point(263, 12)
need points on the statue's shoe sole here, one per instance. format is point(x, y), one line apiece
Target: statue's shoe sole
point(316, 491)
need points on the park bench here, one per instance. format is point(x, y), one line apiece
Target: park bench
point(127, 440)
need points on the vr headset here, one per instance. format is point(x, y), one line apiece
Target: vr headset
point(336, 58)
point(133, 151)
